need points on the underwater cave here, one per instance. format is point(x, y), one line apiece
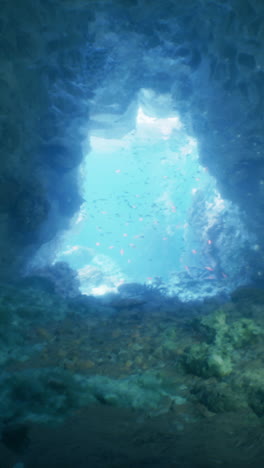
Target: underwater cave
point(131, 225)
point(152, 213)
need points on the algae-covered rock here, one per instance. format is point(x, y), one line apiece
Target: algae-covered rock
point(212, 357)
point(40, 395)
point(252, 383)
point(218, 397)
point(219, 364)
point(212, 327)
point(136, 391)
point(206, 361)
point(243, 331)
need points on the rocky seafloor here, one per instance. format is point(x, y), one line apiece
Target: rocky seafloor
point(130, 380)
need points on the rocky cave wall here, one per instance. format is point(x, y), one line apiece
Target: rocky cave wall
point(66, 66)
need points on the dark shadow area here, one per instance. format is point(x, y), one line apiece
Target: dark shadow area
point(118, 438)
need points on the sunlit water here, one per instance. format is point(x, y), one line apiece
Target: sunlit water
point(139, 191)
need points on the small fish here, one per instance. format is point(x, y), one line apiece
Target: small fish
point(97, 243)
point(125, 234)
point(122, 251)
point(194, 251)
point(209, 242)
point(111, 247)
point(117, 171)
point(209, 268)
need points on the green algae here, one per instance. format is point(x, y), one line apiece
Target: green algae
point(219, 337)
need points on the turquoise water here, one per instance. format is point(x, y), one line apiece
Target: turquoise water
point(139, 192)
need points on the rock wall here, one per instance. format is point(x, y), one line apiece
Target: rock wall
point(65, 62)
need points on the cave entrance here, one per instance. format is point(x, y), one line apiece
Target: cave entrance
point(140, 191)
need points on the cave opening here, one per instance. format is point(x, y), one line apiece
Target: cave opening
point(149, 205)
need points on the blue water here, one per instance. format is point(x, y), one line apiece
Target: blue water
point(139, 191)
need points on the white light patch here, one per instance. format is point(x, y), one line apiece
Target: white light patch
point(215, 208)
point(189, 148)
point(108, 145)
point(82, 215)
point(70, 250)
point(101, 290)
point(162, 127)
